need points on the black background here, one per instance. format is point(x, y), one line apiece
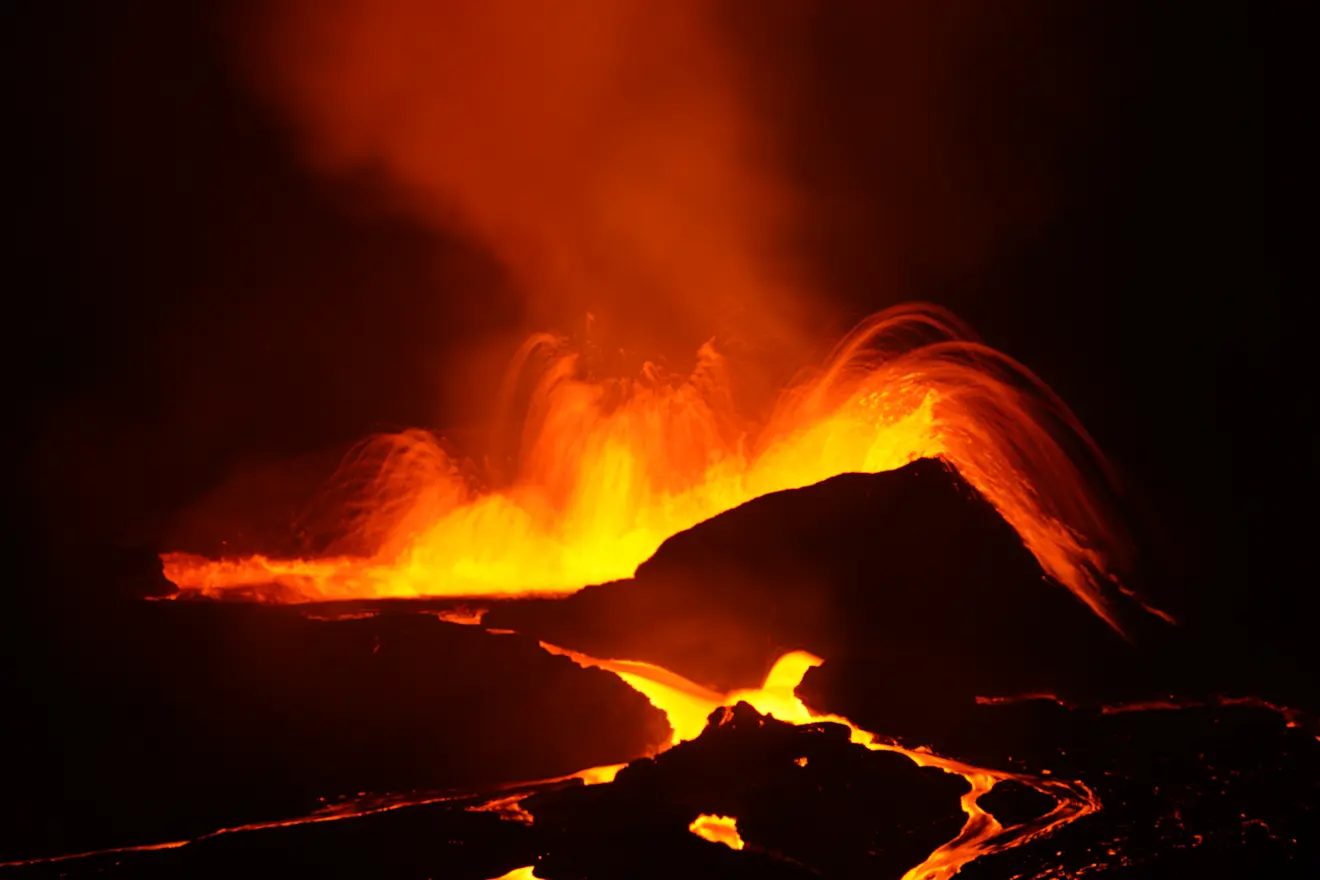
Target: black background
point(184, 298)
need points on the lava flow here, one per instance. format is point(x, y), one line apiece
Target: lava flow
point(718, 829)
point(609, 470)
point(688, 707)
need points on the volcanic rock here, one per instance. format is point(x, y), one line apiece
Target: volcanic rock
point(909, 579)
point(843, 811)
point(1227, 791)
point(1215, 791)
point(1013, 803)
point(171, 719)
point(1220, 789)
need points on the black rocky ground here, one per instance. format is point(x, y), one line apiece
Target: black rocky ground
point(1229, 791)
point(157, 721)
point(1222, 792)
point(846, 811)
point(162, 721)
point(1232, 790)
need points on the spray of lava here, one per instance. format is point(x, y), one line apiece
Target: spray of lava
point(607, 470)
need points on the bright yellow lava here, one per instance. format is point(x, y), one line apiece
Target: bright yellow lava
point(717, 829)
point(688, 706)
point(519, 874)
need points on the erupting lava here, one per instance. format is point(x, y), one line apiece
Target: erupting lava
point(564, 144)
point(609, 469)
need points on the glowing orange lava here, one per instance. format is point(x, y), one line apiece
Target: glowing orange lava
point(688, 707)
point(610, 469)
point(524, 873)
point(717, 829)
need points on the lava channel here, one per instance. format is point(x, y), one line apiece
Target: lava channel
point(688, 706)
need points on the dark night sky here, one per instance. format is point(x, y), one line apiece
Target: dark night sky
point(186, 298)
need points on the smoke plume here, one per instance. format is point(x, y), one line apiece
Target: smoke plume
point(603, 150)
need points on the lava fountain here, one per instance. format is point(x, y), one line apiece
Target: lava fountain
point(608, 470)
point(606, 179)
point(651, 196)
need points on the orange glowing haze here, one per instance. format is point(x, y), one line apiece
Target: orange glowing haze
point(609, 177)
point(606, 151)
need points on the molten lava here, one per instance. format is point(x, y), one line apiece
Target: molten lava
point(525, 873)
point(717, 829)
point(689, 706)
point(608, 470)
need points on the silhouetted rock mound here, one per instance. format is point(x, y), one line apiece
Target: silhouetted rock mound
point(908, 577)
point(174, 719)
point(843, 811)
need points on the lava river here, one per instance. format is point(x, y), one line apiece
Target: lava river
point(688, 706)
